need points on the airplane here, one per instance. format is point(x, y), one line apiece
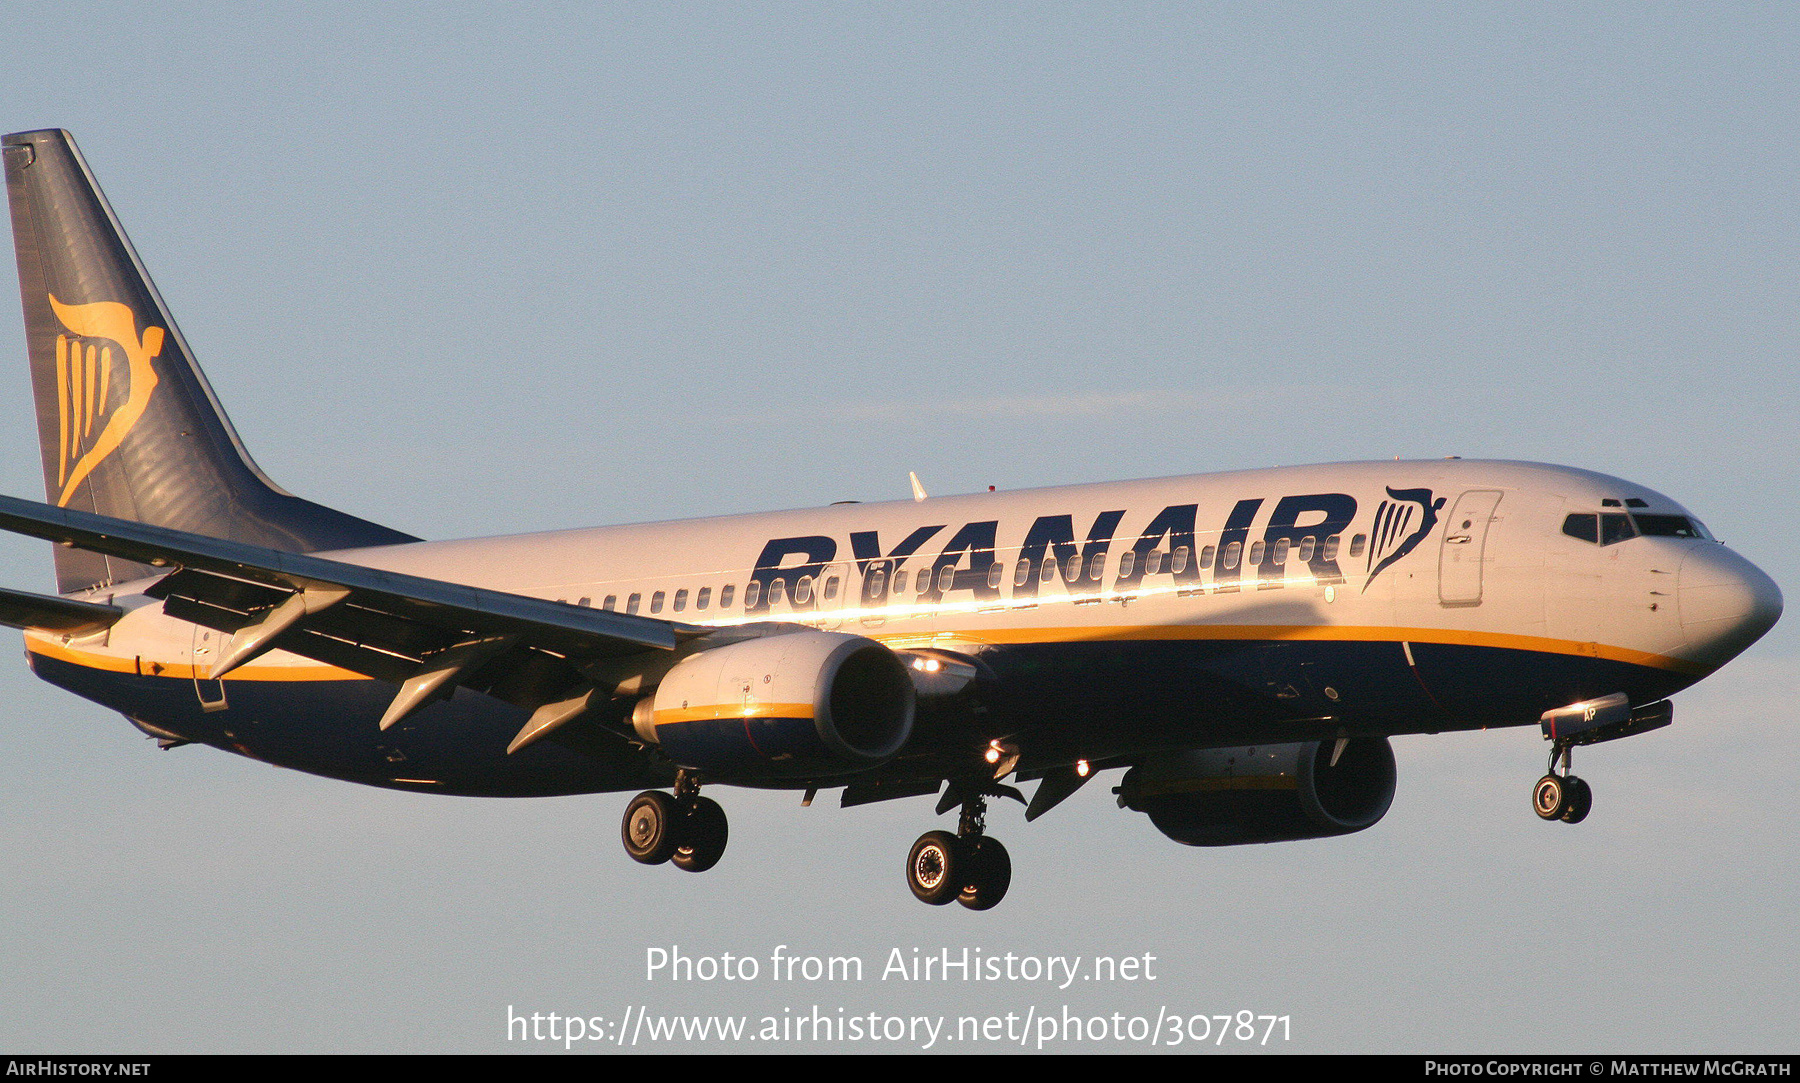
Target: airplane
point(1241, 645)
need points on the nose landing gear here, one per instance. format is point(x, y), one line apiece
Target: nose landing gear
point(1561, 796)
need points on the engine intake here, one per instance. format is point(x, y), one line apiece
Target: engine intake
point(1265, 793)
point(792, 705)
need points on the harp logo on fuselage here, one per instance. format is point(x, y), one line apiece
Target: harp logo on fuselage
point(98, 399)
point(1401, 522)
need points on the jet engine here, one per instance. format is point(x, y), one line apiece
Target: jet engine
point(1265, 793)
point(798, 704)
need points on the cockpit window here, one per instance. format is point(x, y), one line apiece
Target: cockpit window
point(1605, 528)
point(1668, 526)
point(1615, 528)
point(1585, 527)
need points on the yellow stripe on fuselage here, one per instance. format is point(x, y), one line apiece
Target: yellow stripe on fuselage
point(999, 636)
point(1326, 633)
point(113, 663)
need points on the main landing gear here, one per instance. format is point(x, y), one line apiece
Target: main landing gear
point(685, 829)
point(968, 866)
point(1561, 796)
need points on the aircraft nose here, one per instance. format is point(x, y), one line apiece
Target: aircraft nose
point(1726, 603)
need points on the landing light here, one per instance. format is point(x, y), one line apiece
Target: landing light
point(1082, 768)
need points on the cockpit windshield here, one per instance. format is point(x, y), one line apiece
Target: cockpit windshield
point(1609, 528)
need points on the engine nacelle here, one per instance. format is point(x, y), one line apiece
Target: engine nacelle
point(1265, 793)
point(792, 705)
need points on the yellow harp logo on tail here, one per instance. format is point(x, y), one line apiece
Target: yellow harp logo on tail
point(88, 382)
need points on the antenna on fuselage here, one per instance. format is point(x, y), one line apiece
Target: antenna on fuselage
point(918, 490)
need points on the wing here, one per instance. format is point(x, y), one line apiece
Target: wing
point(426, 634)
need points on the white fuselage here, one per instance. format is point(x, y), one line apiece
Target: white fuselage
point(1131, 562)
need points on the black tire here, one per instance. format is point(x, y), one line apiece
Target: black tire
point(702, 835)
point(649, 827)
point(987, 872)
point(1580, 800)
point(1550, 797)
point(931, 868)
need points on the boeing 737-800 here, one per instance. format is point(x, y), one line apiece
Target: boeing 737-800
point(1241, 645)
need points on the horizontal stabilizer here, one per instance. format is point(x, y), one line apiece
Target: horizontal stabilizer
point(48, 613)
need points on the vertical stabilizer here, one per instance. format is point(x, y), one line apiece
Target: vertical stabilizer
point(126, 422)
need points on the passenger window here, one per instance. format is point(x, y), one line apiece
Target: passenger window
point(1097, 566)
point(1279, 556)
point(656, 601)
point(1072, 568)
point(1047, 569)
point(803, 590)
point(1357, 543)
point(877, 582)
point(1206, 556)
point(1307, 545)
point(1232, 552)
point(631, 603)
point(1153, 561)
point(831, 588)
point(585, 602)
point(752, 594)
point(1022, 573)
point(611, 602)
point(1615, 528)
point(900, 582)
point(1127, 561)
point(702, 599)
point(946, 578)
point(994, 573)
point(1330, 550)
point(727, 591)
point(680, 600)
point(778, 592)
point(1585, 527)
point(1256, 552)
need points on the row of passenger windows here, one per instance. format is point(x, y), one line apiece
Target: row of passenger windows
point(1609, 527)
point(1073, 569)
point(702, 599)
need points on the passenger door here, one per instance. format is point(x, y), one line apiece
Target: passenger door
point(1464, 548)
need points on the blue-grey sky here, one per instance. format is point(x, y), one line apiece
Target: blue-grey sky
point(469, 269)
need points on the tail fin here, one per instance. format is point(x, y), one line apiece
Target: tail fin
point(126, 422)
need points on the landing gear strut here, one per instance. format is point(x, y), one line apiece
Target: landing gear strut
point(968, 866)
point(685, 829)
point(1561, 796)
